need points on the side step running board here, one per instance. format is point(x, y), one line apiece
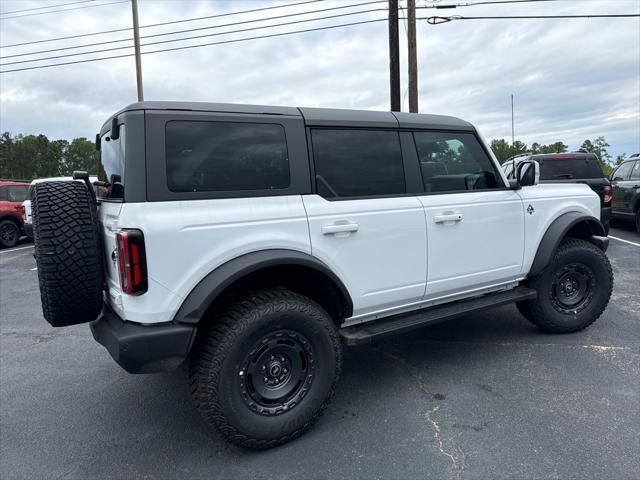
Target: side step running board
point(373, 330)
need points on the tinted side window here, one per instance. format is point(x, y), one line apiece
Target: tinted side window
point(635, 173)
point(3, 193)
point(622, 173)
point(452, 162)
point(357, 163)
point(111, 170)
point(221, 156)
point(17, 193)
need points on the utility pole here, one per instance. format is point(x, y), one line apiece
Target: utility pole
point(513, 130)
point(136, 44)
point(394, 56)
point(413, 56)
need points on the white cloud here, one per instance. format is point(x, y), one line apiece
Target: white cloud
point(572, 79)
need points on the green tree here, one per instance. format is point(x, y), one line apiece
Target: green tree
point(81, 154)
point(619, 158)
point(597, 146)
point(557, 147)
point(501, 149)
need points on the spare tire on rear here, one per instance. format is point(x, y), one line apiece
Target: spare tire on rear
point(68, 252)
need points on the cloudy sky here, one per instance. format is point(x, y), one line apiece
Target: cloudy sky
point(572, 78)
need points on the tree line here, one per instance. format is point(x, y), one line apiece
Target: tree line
point(503, 150)
point(25, 157)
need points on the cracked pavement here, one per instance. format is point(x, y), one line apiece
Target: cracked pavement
point(486, 396)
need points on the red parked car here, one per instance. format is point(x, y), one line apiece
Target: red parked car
point(12, 194)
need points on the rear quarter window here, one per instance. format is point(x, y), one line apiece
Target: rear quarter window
point(225, 156)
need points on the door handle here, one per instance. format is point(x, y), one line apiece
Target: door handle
point(339, 228)
point(449, 217)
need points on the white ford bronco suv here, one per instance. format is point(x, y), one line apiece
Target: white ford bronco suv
point(254, 242)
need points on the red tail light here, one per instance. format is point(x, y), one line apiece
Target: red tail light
point(132, 263)
point(608, 194)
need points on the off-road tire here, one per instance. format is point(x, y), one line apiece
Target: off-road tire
point(220, 349)
point(541, 310)
point(68, 252)
point(9, 233)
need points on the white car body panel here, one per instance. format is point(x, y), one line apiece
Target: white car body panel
point(462, 252)
point(185, 241)
point(549, 201)
point(383, 264)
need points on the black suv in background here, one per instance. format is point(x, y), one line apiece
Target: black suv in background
point(576, 167)
point(625, 181)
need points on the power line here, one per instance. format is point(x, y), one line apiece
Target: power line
point(440, 20)
point(227, 14)
point(483, 2)
point(64, 10)
point(196, 36)
point(200, 45)
point(42, 8)
point(106, 42)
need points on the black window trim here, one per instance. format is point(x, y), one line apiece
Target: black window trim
point(482, 147)
point(312, 165)
point(155, 129)
point(226, 122)
point(102, 133)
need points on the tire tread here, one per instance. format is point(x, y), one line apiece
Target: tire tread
point(208, 355)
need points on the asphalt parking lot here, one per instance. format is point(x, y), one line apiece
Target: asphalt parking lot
point(487, 396)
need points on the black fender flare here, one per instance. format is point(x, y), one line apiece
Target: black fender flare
point(558, 230)
point(206, 291)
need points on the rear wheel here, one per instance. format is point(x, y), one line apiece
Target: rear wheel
point(573, 290)
point(266, 369)
point(9, 233)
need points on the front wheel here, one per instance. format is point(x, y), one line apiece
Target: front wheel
point(9, 234)
point(573, 290)
point(266, 368)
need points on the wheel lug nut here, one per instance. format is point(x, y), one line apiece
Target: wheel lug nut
point(265, 379)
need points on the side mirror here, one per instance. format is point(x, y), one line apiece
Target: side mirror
point(528, 173)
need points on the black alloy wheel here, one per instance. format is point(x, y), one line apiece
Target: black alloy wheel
point(572, 288)
point(277, 372)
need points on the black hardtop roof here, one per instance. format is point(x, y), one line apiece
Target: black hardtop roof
point(317, 116)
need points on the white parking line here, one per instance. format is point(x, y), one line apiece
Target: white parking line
point(625, 241)
point(15, 249)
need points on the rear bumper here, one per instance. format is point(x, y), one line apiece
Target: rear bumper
point(143, 348)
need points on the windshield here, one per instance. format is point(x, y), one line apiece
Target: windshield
point(112, 157)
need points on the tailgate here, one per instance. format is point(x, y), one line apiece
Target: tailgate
point(108, 214)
